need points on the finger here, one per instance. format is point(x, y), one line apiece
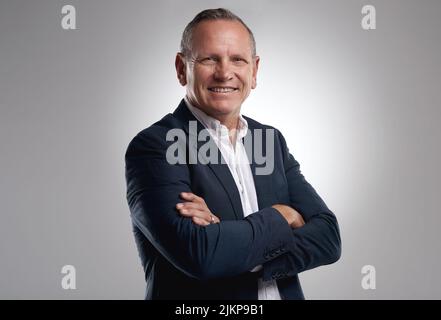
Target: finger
point(298, 221)
point(203, 215)
point(191, 205)
point(195, 213)
point(200, 221)
point(189, 196)
point(215, 219)
point(300, 218)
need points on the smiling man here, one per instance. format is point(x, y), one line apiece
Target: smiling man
point(218, 64)
point(221, 230)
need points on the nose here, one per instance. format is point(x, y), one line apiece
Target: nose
point(223, 71)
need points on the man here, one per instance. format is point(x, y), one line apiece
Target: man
point(221, 230)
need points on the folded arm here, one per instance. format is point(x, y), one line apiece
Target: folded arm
point(318, 241)
point(153, 188)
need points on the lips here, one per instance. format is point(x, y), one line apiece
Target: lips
point(222, 89)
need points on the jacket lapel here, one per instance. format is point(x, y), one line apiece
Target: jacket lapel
point(263, 183)
point(221, 170)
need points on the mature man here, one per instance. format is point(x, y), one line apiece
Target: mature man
point(221, 230)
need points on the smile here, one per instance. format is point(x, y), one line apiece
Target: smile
point(222, 89)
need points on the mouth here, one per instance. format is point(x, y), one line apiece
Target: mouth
point(223, 89)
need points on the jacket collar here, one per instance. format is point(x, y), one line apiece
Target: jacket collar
point(262, 183)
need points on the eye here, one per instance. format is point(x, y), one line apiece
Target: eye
point(239, 60)
point(207, 60)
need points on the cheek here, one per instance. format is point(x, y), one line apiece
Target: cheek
point(202, 77)
point(195, 84)
point(246, 77)
point(247, 83)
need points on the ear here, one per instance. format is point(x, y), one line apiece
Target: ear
point(181, 69)
point(256, 61)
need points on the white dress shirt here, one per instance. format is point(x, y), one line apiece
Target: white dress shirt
point(237, 160)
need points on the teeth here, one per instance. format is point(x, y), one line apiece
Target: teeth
point(221, 89)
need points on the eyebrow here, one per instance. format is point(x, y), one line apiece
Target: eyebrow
point(203, 56)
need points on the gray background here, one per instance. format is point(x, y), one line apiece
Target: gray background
point(360, 111)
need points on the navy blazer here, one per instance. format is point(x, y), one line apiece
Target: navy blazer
point(182, 260)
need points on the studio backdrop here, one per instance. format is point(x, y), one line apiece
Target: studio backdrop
point(354, 86)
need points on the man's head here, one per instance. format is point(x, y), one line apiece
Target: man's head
point(217, 63)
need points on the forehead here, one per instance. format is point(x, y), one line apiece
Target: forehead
point(221, 35)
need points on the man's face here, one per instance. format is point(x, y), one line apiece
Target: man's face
point(221, 71)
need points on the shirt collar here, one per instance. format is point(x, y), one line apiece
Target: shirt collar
point(215, 125)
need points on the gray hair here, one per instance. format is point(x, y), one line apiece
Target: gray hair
point(211, 14)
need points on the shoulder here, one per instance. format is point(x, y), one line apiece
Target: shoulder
point(253, 124)
point(155, 136)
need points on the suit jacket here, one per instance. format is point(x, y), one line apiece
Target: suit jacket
point(182, 260)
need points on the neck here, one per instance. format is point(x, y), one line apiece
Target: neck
point(231, 123)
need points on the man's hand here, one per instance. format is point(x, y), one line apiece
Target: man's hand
point(196, 209)
point(294, 219)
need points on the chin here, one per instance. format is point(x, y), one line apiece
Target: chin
point(224, 107)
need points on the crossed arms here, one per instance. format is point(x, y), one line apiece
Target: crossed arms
point(271, 237)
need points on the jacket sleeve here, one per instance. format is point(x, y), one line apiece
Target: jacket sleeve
point(225, 249)
point(318, 241)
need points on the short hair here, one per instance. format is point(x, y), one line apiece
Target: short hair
point(207, 15)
